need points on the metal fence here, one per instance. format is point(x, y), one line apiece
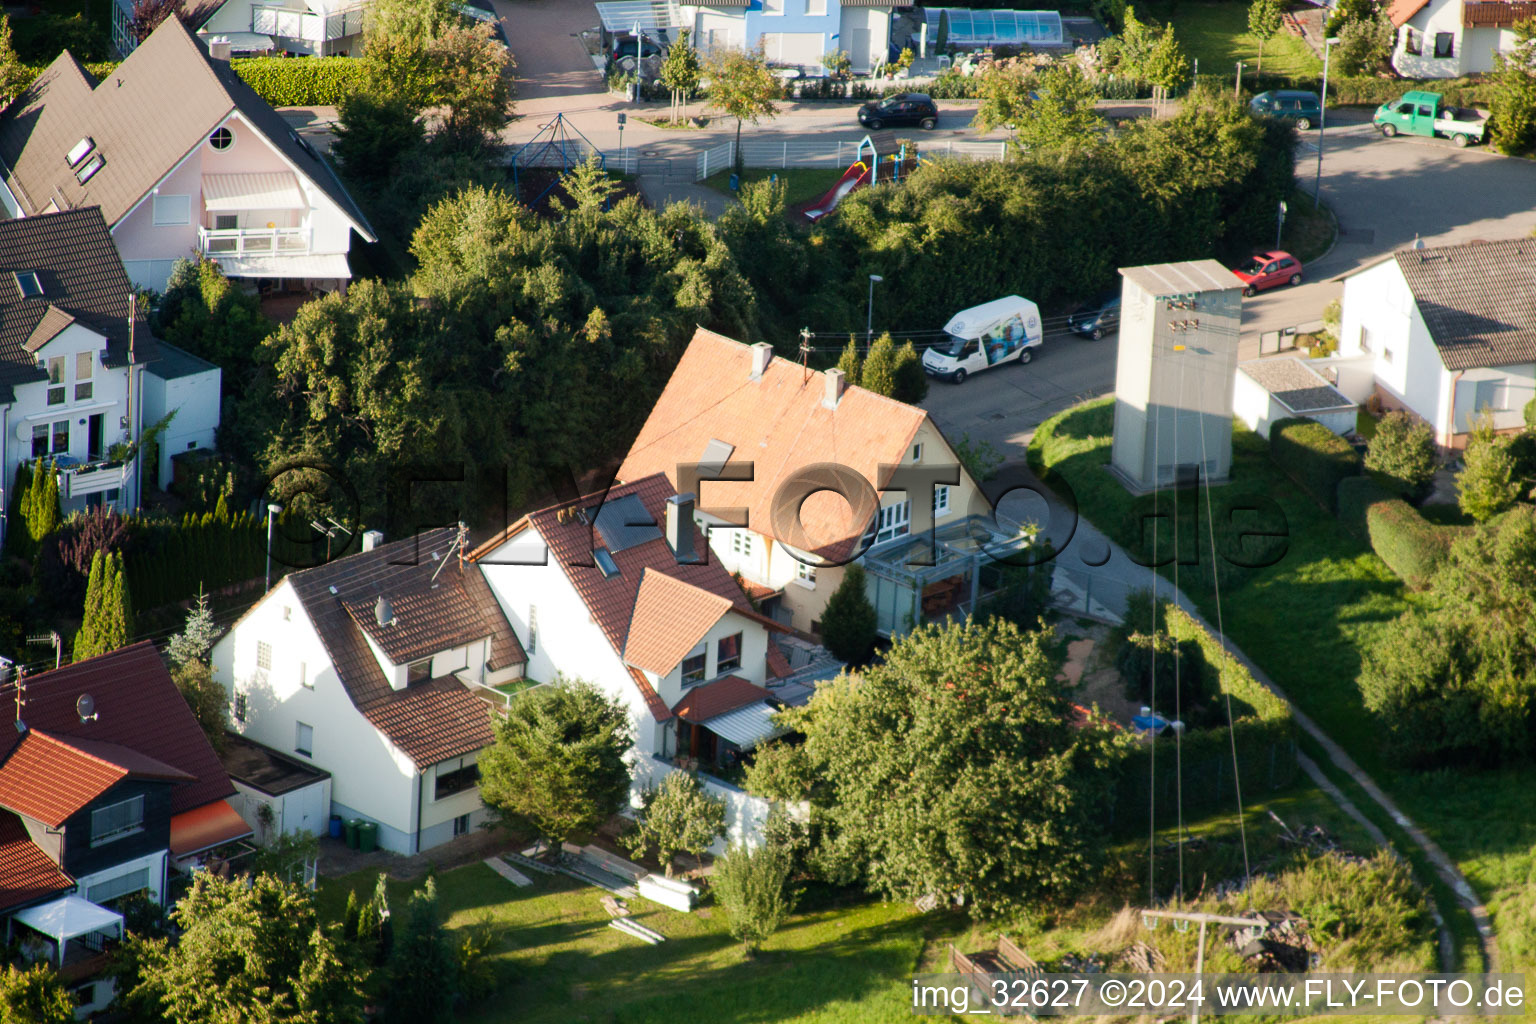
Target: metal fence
point(702, 162)
point(1091, 594)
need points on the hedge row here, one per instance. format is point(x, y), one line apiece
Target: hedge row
point(1314, 456)
point(1412, 546)
point(1262, 729)
point(174, 560)
point(281, 81)
point(1355, 497)
point(1366, 90)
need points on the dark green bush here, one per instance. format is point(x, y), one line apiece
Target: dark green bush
point(1366, 90)
point(307, 82)
point(1314, 456)
point(1412, 547)
point(1355, 497)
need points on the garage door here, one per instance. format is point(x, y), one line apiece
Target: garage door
point(794, 48)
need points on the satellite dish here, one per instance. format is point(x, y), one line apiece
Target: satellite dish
point(86, 707)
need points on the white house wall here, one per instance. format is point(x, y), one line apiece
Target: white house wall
point(875, 22)
point(1378, 300)
point(195, 398)
point(1473, 49)
point(1520, 387)
point(146, 246)
point(1254, 405)
point(304, 810)
point(745, 814)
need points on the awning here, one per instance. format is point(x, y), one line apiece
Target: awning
point(68, 918)
point(329, 266)
point(267, 190)
point(746, 727)
point(206, 827)
point(652, 16)
point(244, 42)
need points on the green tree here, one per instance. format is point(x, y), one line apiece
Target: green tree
point(14, 75)
point(1063, 117)
point(557, 766)
point(42, 503)
point(848, 623)
point(741, 86)
point(779, 772)
point(1004, 88)
point(980, 458)
point(422, 981)
point(879, 371)
point(1166, 65)
point(249, 943)
point(676, 816)
point(954, 767)
point(87, 642)
point(1487, 484)
point(206, 697)
point(1364, 45)
point(852, 364)
point(414, 21)
point(911, 380)
point(35, 995)
point(681, 72)
point(752, 887)
point(1401, 454)
point(472, 83)
point(1513, 124)
point(589, 186)
point(198, 634)
point(1264, 20)
point(1135, 44)
point(211, 316)
point(375, 134)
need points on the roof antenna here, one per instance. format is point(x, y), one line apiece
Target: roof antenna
point(7, 666)
point(805, 353)
point(457, 546)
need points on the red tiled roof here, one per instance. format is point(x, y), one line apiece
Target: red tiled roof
point(778, 423)
point(778, 664)
point(711, 700)
point(138, 710)
point(434, 721)
point(669, 620)
point(760, 591)
point(26, 873)
point(1402, 10)
point(49, 780)
point(206, 827)
point(653, 701)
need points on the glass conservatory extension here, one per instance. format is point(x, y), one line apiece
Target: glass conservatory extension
point(916, 578)
point(968, 28)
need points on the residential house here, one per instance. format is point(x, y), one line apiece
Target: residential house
point(1450, 38)
point(368, 667)
point(107, 784)
point(616, 589)
point(1448, 332)
point(296, 28)
point(182, 157)
point(923, 530)
point(79, 376)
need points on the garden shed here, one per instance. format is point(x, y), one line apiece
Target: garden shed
point(298, 794)
point(1266, 390)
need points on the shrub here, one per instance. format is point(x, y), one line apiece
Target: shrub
point(1314, 456)
point(310, 82)
point(1401, 455)
point(751, 885)
point(848, 624)
point(1412, 547)
point(1487, 483)
point(1355, 497)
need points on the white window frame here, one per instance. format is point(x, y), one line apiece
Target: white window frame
point(228, 133)
point(741, 543)
point(805, 572)
point(892, 521)
point(940, 500)
point(171, 211)
point(917, 452)
point(299, 746)
point(416, 666)
point(263, 655)
point(700, 651)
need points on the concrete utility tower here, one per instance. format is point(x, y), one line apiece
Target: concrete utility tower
point(1179, 326)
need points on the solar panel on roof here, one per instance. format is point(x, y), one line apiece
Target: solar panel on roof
point(624, 523)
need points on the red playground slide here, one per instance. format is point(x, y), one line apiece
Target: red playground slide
point(852, 178)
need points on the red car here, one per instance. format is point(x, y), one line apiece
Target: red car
point(1269, 270)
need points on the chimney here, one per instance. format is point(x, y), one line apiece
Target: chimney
point(835, 387)
point(372, 539)
point(680, 527)
point(218, 48)
point(762, 355)
point(383, 611)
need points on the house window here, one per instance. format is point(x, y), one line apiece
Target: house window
point(418, 672)
point(304, 680)
point(304, 739)
point(891, 522)
point(85, 363)
point(805, 572)
point(941, 499)
point(461, 825)
point(172, 211)
point(533, 628)
point(917, 453)
point(56, 380)
point(741, 543)
point(222, 138)
point(454, 777)
point(83, 392)
point(1386, 355)
point(815, 8)
point(1413, 41)
point(693, 668)
point(263, 655)
point(60, 437)
point(1445, 44)
point(1367, 342)
point(1492, 395)
point(240, 707)
point(728, 654)
point(115, 821)
point(226, 221)
point(116, 888)
point(39, 440)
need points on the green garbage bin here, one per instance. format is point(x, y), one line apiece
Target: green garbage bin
point(367, 836)
point(351, 830)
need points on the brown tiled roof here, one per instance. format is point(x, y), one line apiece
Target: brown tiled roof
point(83, 280)
point(154, 109)
point(47, 779)
point(778, 423)
point(1478, 300)
point(669, 620)
point(26, 873)
point(778, 664)
point(1402, 10)
point(714, 699)
point(426, 719)
point(141, 720)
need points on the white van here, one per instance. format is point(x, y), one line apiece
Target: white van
point(984, 336)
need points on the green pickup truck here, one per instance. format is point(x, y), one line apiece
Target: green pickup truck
point(1425, 113)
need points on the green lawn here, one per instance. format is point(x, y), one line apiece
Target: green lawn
point(1216, 34)
point(801, 184)
point(1306, 620)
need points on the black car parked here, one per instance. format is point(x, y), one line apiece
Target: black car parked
point(907, 110)
point(1097, 318)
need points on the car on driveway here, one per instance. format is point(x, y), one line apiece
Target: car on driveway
point(1302, 109)
point(1268, 270)
point(908, 110)
point(1097, 318)
point(623, 50)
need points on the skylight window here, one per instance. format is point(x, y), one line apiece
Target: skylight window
point(31, 287)
point(86, 172)
point(605, 563)
point(81, 151)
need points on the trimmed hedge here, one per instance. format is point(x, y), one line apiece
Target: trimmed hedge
point(1262, 729)
point(1314, 456)
point(1367, 90)
point(281, 81)
point(1412, 546)
point(1356, 496)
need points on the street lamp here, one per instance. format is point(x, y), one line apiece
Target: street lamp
point(272, 510)
point(1322, 124)
point(1280, 223)
point(1237, 87)
point(625, 156)
point(869, 319)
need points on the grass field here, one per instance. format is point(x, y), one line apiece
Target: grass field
point(1308, 620)
point(801, 184)
point(1216, 34)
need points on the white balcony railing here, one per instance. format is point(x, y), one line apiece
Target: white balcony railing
point(93, 478)
point(306, 25)
point(253, 241)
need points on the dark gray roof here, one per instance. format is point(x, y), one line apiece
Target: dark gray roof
point(261, 767)
point(82, 277)
point(1478, 300)
point(175, 362)
point(624, 523)
point(155, 108)
point(1296, 385)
